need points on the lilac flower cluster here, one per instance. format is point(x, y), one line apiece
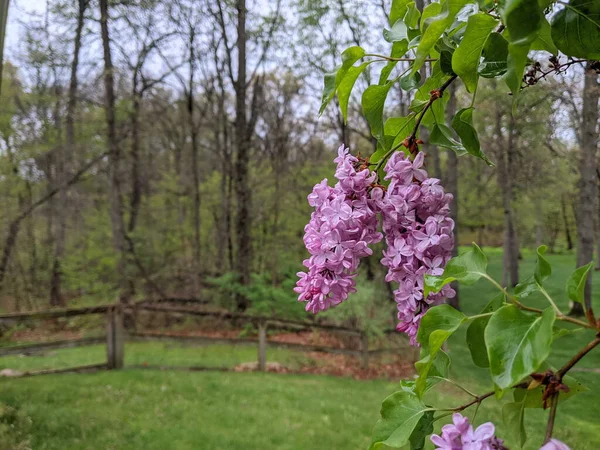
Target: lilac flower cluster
point(340, 230)
point(460, 435)
point(419, 237)
point(418, 231)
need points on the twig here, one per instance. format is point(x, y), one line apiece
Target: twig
point(478, 399)
point(435, 94)
point(389, 58)
point(551, 417)
point(575, 359)
point(559, 375)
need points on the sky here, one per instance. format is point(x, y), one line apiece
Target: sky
point(19, 11)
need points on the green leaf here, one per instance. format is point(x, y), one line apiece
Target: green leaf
point(513, 415)
point(345, 87)
point(576, 283)
point(576, 29)
point(429, 12)
point(328, 90)
point(441, 136)
point(423, 429)
point(446, 62)
point(476, 332)
point(398, 50)
point(398, 32)
point(434, 28)
point(398, 128)
point(515, 65)
point(517, 343)
point(463, 125)
point(532, 398)
point(495, 54)
point(526, 287)
point(373, 102)
point(412, 16)
point(333, 79)
point(544, 39)
point(523, 18)
point(465, 60)
point(410, 81)
point(437, 325)
point(401, 412)
point(466, 268)
point(351, 55)
point(398, 10)
point(436, 112)
point(542, 267)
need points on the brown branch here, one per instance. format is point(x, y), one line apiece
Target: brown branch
point(584, 351)
point(435, 94)
point(481, 398)
point(559, 375)
point(551, 417)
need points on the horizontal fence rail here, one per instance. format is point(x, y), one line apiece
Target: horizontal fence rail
point(52, 345)
point(244, 317)
point(116, 336)
point(53, 313)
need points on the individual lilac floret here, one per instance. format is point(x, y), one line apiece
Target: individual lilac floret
point(419, 237)
point(460, 435)
point(339, 233)
point(555, 444)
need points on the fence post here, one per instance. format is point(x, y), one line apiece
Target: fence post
point(115, 338)
point(364, 344)
point(262, 346)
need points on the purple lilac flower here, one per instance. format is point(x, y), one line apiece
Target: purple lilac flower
point(555, 444)
point(339, 233)
point(460, 435)
point(419, 237)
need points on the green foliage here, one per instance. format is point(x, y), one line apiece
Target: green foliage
point(576, 283)
point(401, 413)
point(576, 29)
point(517, 343)
point(476, 332)
point(437, 325)
point(467, 268)
point(465, 60)
point(463, 125)
point(513, 415)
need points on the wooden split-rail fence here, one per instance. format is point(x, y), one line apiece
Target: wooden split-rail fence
point(116, 336)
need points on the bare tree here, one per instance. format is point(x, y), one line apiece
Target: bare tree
point(114, 152)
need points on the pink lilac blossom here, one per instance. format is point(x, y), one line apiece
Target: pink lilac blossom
point(342, 226)
point(555, 444)
point(460, 435)
point(418, 232)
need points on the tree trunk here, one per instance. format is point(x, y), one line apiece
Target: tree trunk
point(510, 274)
point(588, 190)
point(67, 151)
point(114, 157)
point(242, 189)
point(194, 160)
point(566, 223)
point(539, 226)
point(452, 187)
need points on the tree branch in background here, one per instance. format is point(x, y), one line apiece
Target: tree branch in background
point(14, 227)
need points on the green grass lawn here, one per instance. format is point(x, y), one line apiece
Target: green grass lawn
point(149, 409)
